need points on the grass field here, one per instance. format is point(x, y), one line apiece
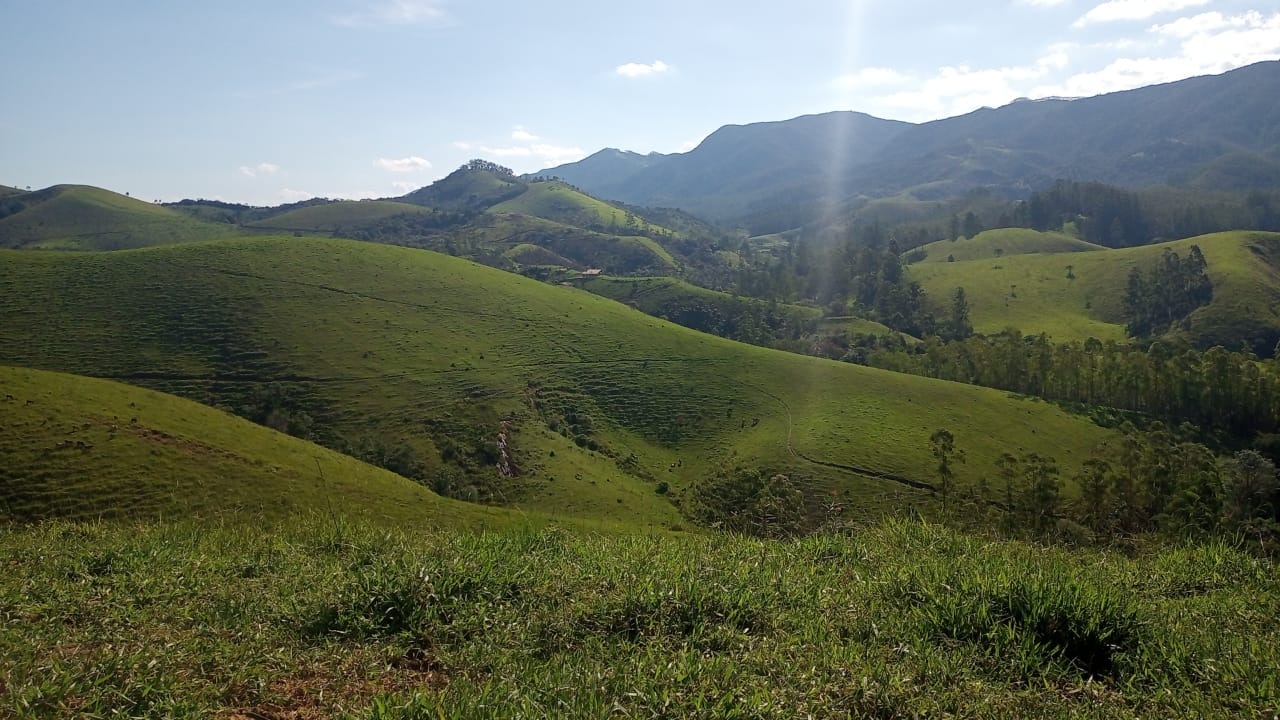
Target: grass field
point(901, 620)
point(654, 295)
point(1034, 294)
point(340, 215)
point(76, 447)
point(78, 217)
point(996, 244)
point(436, 356)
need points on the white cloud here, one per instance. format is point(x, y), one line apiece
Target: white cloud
point(462, 145)
point(395, 12)
point(404, 186)
point(1204, 23)
point(546, 153)
point(870, 77)
point(522, 135)
point(295, 195)
point(688, 145)
point(954, 90)
point(265, 168)
point(1043, 3)
point(1207, 44)
point(1117, 10)
point(634, 70)
point(413, 163)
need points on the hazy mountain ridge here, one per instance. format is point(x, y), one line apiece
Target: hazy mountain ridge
point(1174, 133)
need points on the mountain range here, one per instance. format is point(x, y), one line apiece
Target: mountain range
point(1214, 132)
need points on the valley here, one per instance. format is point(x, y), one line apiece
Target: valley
point(834, 416)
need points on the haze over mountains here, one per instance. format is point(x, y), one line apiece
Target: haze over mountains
point(1211, 132)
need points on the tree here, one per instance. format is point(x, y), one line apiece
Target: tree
point(958, 325)
point(1042, 489)
point(943, 446)
point(1095, 495)
point(1249, 489)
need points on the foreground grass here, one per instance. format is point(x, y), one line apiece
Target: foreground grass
point(326, 618)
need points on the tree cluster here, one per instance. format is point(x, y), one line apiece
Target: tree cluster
point(1218, 389)
point(1167, 293)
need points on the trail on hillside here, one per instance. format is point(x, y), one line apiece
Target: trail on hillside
point(854, 469)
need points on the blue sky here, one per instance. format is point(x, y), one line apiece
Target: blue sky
point(268, 102)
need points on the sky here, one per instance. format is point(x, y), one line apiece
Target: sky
point(269, 102)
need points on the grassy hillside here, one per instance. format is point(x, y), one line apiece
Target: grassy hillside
point(421, 361)
point(75, 447)
point(1033, 293)
point(493, 237)
point(340, 215)
point(1002, 243)
point(553, 200)
point(896, 621)
point(77, 217)
point(739, 318)
point(6, 191)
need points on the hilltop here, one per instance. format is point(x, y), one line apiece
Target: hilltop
point(419, 362)
point(1080, 294)
point(1004, 242)
point(338, 216)
point(79, 217)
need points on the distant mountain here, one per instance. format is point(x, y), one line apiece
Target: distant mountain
point(1212, 132)
point(739, 168)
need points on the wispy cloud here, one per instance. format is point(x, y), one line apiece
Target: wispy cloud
point(413, 163)
point(520, 134)
point(546, 153)
point(264, 168)
point(1117, 10)
point(635, 70)
point(405, 186)
point(1206, 44)
point(290, 195)
point(395, 12)
point(953, 90)
point(869, 77)
point(1043, 3)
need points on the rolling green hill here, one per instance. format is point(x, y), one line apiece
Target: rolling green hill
point(338, 216)
point(422, 362)
point(1034, 294)
point(1001, 243)
point(6, 191)
point(556, 201)
point(79, 217)
point(76, 447)
point(518, 242)
point(474, 186)
point(739, 318)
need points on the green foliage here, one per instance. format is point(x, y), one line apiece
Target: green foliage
point(1166, 295)
point(749, 501)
